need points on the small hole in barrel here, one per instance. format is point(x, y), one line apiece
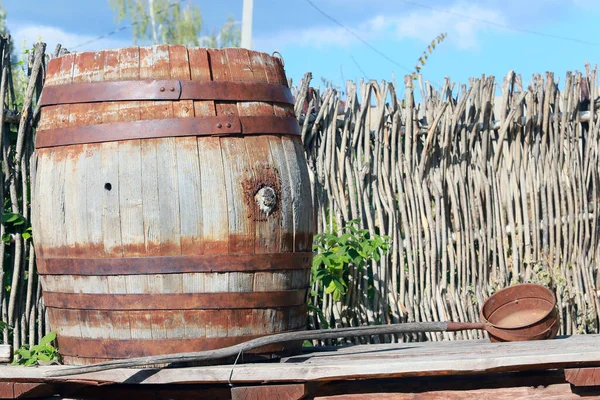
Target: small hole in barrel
point(107, 186)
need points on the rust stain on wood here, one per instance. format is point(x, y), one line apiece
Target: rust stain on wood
point(265, 177)
point(260, 287)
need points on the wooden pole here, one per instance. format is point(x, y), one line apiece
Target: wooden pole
point(247, 11)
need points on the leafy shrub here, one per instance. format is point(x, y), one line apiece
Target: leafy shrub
point(43, 351)
point(336, 253)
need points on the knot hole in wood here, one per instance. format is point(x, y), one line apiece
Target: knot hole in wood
point(266, 198)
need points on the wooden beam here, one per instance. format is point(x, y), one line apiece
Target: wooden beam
point(552, 392)
point(280, 392)
point(18, 390)
point(382, 360)
point(583, 376)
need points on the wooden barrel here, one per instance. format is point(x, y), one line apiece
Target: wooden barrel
point(172, 206)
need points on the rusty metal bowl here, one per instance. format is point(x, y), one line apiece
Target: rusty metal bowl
point(521, 312)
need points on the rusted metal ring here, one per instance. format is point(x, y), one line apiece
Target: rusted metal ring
point(179, 301)
point(175, 264)
point(168, 127)
point(141, 90)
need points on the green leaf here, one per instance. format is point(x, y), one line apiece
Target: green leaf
point(317, 260)
point(45, 357)
point(345, 238)
point(48, 338)
point(9, 217)
point(24, 353)
point(332, 242)
point(339, 285)
point(331, 287)
point(321, 274)
point(26, 235)
point(30, 361)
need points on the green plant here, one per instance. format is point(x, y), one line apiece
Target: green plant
point(15, 223)
point(43, 351)
point(352, 246)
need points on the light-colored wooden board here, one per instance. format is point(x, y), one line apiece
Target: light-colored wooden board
point(168, 197)
point(108, 191)
point(300, 189)
point(369, 361)
point(5, 353)
point(94, 183)
point(130, 198)
point(286, 229)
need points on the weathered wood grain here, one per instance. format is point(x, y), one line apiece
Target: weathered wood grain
point(372, 361)
point(283, 392)
point(166, 197)
point(583, 376)
point(550, 392)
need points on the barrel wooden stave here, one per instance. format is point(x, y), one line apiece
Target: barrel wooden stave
point(177, 196)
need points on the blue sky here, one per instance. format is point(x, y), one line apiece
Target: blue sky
point(400, 29)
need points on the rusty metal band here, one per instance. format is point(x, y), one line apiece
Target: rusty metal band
point(175, 264)
point(141, 90)
point(178, 301)
point(168, 127)
point(126, 348)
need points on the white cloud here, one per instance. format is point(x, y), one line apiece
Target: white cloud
point(52, 36)
point(461, 20)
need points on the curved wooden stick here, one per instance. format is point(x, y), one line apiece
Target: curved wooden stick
point(412, 327)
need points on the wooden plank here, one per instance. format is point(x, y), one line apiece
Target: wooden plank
point(371, 361)
point(168, 197)
point(237, 172)
point(235, 167)
point(286, 228)
point(130, 158)
point(150, 202)
point(168, 190)
point(215, 219)
point(53, 233)
point(265, 69)
point(5, 353)
point(243, 67)
point(17, 390)
point(109, 193)
point(56, 237)
point(215, 226)
point(280, 392)
point(583, 376)
point(550, 392)
point(301, 197)
point(188, 168)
